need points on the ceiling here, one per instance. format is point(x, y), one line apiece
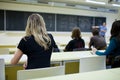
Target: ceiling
point(108, 3)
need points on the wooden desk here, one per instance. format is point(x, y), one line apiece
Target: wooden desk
point(7, 58)
point(66, 59)
point(56, 56)
point(94, 75)
point(115, 70)
point(7, 46)
point(69, 59)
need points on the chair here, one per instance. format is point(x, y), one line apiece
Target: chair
point(2, 69)
point(92, 63)
point(41, 72)
point(4, 51)
point(81, 49)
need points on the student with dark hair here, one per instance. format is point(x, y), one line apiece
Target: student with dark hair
point(37, 44)
point(77, 42)
point(113, 50)
point(97, 41)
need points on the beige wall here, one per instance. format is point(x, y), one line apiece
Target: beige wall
point(61, 10)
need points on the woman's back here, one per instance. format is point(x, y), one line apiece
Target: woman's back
point(38, 57)
point(75, 44)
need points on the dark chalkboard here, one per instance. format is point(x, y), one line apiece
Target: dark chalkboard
point(99, 20)
point(49, 21)
point(1, 20)
point(66, 22)
point(85, 23)
point(16, 21)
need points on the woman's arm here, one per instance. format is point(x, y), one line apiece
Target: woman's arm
point(109, 49)
point(17, 55)
point(55, 47)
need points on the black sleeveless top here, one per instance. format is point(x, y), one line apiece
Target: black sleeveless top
point(37, 56)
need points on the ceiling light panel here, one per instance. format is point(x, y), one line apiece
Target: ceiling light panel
point(97, 1)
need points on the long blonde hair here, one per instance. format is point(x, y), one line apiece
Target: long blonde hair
point(36, 27)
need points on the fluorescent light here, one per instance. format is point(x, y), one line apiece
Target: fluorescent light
point(116, 5)
point(96, 2)
point(56, 4)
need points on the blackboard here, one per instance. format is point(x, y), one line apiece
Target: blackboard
point(1, 20)
point(99, 20)
point(85, 23)
point(16, 21)
point(49, 21)
point(66, 22)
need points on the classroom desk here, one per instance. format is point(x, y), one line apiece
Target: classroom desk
point(56, 56)
point(115, 70)
point(7, 46)
point(63, 58)
point(70, 60)
point(109, 74)
point(7, 58)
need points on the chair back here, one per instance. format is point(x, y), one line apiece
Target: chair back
point(41, 72)
point(2, 69)
point(92, 63)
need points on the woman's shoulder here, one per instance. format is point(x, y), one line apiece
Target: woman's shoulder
point(113, 39)
point(50, 35)
point(71, 41)
point(81, 39)
point(26, 38)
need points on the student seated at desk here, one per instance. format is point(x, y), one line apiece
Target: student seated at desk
point(113, 50)
point(77, 43)
point(97, 41)
point(37, 44)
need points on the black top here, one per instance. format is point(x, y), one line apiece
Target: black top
point(55, 47)
point(37, 56)
point(75, 44)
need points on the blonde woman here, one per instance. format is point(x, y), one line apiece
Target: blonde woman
point(36, 44)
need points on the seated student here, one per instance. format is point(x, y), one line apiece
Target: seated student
point(77, 42)
point(97, 41)
point(37, 44)
point(113, 50)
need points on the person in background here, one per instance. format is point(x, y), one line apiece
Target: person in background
point(97, 41)
point(77, 42)
point(37, 44)
point(103, 29)
point(113, 50)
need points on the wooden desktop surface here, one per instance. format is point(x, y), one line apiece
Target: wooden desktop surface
point(56, 56)
point(68, 59)
point(109, 74)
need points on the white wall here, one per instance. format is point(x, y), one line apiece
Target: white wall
point(61, 10)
